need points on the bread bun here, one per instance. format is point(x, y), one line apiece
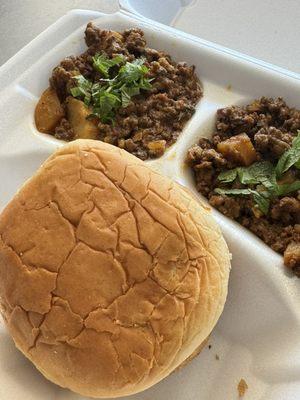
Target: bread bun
point(111, 275)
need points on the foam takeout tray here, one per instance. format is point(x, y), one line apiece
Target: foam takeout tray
point(257, 337)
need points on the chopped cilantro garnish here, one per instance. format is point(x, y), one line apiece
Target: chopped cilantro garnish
point(112, 92)
point(288, 188)
point(83, 89)
point(228, 176)
point(102, 63)
point(105, 105)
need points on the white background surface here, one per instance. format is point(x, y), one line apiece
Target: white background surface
point(266, 29)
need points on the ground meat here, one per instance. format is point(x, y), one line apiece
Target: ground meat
point(271, 126)
point(286, 210)
point(134, 41)
point(99, 40)
point(272, 141)
point(60, 81)
point(264, 113)
point(158, 115)
point(229, 206)
point(292, 257)
point(64, 130)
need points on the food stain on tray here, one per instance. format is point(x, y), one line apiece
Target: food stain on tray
point(242, 388)
point(121, 92)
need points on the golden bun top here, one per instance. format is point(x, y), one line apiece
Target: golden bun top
point(111, 275)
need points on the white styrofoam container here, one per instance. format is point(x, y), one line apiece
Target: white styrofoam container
point(267, 29)
point(257, 337)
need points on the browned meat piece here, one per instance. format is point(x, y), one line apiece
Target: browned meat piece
point(194, 155)
point(60, 82)
point(151, 54)
point(238, 149)
point(292, 257)
point(135, 41)
point(206, 162)
point(197, 155)
point(286, 210)
point(233, 121)
point(272, 140)
point(92, 35)
point(64, 130)
point(268, 232)
point(99, 40)
point(228, 206)
point(205, 176)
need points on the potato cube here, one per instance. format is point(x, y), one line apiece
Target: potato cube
point(77, 115)
point(48, 112)
point(157, 147)
point(238, 149)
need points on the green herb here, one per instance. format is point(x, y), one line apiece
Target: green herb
point(289, 158)
point(233, 192)
point(112, 92)
point(133, 71)
point(131, 80)
point(83, 89)
point(261, 198)
point(259, 172)
point(228, 176)
point(105, 106)
point(127, 93)
point(102, 63)
point(288, 188)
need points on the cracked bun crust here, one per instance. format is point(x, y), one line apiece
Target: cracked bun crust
point(111, 275)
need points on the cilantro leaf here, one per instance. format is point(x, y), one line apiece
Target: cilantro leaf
point(289, 157)
point(261, 198)
point(105, 106)
point(131, 79)
point(133, 71)
point(102, 63)
point(108, 94)
point(127, 93)
point(83, 89)
point(228, 176)
point(256, 173)
point(288, 188)
point(259, 172)
point(145, 83)
point(233, 192)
